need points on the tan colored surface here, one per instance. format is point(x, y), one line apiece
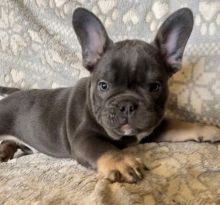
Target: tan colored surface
point(180, 173)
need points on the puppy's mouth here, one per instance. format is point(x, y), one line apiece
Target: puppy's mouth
point(127, 130)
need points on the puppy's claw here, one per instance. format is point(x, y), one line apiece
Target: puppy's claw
point(141, 164)
point(132, 175)
point(138, 172)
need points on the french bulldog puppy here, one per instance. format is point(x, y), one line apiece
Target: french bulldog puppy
point(121, 103)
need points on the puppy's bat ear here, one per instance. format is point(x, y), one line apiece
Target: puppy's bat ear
point(172, 37)
point(92, 37)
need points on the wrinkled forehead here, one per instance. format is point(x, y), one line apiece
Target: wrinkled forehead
point(130, 60)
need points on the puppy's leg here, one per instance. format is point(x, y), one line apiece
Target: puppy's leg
point(172, 130)
point(110, 162)
point(9, 143)
point(8, 149)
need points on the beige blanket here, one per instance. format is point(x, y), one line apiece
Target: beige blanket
point(179, 174)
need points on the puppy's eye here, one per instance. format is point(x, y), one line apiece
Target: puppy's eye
point(155, 87)
point(103, 86)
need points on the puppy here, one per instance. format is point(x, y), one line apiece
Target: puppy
point(121, 103)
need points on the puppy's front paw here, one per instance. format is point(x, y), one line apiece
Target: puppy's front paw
point(208, 134)
point(120, 167)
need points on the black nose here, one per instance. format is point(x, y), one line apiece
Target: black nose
point(127, 107)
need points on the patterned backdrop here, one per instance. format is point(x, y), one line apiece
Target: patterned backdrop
point(38, 48)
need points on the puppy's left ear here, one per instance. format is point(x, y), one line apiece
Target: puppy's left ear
point(92, 36)
point(172, 37)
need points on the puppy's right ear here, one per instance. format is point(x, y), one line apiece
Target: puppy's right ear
point(92, 37)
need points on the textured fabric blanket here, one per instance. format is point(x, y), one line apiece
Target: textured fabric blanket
point(38, 49)
point(181, 173)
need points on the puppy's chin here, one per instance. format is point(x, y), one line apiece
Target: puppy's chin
point(127, 130)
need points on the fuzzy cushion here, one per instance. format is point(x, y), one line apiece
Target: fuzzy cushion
point(179, 173)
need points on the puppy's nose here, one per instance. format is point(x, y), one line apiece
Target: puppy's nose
point(127, 107)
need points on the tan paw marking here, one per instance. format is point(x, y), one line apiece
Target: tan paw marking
point(208, 134)
point(120, 167)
